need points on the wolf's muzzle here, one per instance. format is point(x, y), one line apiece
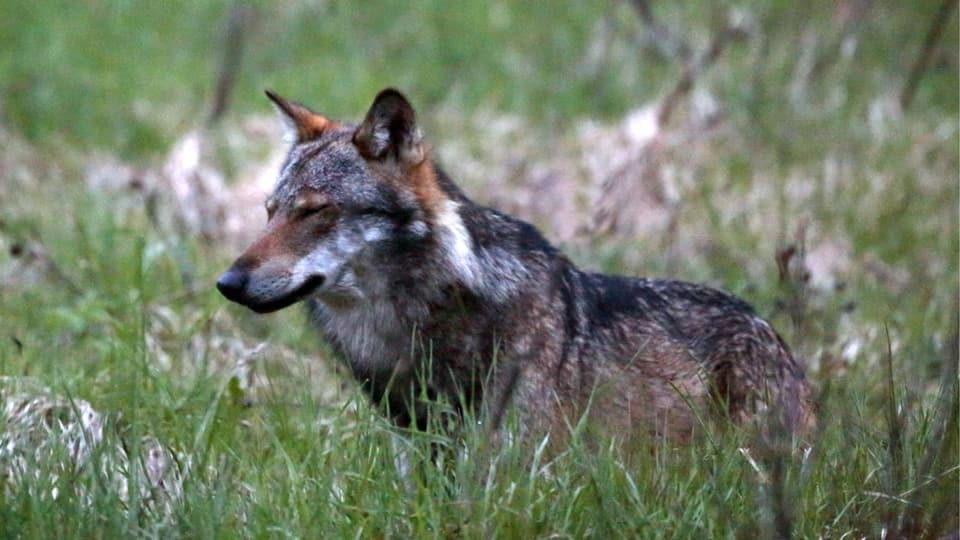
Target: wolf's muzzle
point(236, 286)
point(232, 284)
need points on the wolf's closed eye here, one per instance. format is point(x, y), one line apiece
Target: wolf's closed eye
point(325, 212)
point(271, 206)
point(312, 204)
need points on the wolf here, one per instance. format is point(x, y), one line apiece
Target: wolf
point(429, 297)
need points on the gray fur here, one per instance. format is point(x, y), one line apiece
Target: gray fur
point(427, 296)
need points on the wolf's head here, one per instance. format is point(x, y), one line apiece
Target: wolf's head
point(346, 196)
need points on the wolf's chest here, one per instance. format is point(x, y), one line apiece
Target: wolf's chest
point(370, 335)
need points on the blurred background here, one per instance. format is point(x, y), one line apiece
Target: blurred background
point(692, 139)
point(803, 155)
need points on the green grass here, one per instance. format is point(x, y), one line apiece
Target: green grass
point(102, 303)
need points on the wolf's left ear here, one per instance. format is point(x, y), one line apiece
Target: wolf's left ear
point(305, 124)
point(390, 130)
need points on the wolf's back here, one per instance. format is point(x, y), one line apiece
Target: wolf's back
point(691, 344)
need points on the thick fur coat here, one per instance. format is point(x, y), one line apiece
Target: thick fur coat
point(429, 297)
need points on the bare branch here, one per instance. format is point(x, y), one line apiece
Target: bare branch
point(853, 16)
point(926, 53)
point(731, 32)
point(238, 24)
point(666, 43)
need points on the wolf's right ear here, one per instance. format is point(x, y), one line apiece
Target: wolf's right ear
point(390, 131)
point(305, 124)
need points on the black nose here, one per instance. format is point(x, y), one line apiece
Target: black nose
point(232, 283)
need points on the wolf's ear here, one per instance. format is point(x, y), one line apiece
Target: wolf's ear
point(305, 124)
point(390, 130)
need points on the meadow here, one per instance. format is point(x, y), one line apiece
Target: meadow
point(802, 156)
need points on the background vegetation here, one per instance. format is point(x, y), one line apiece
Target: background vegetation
point(802, 155)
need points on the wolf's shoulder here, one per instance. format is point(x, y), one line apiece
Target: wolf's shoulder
point(679, 292)
point(660, 298)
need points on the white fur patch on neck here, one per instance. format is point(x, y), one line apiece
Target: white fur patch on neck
point(493, 272)
point(457, 244)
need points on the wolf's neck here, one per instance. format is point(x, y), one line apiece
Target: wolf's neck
point(490, 271)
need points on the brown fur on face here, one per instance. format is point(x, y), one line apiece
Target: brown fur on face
point(289, 234)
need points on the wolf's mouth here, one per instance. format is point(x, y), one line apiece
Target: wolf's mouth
point(309, 286)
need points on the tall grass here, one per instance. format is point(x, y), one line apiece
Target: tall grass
point(103, 304)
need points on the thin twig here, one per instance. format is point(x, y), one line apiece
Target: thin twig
point(238, 25)
point(926, 53)
point(666, 43)
point(782, 524)
point(696, 68)
point(34, 251)
point(857, 12)
point(894, 429)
